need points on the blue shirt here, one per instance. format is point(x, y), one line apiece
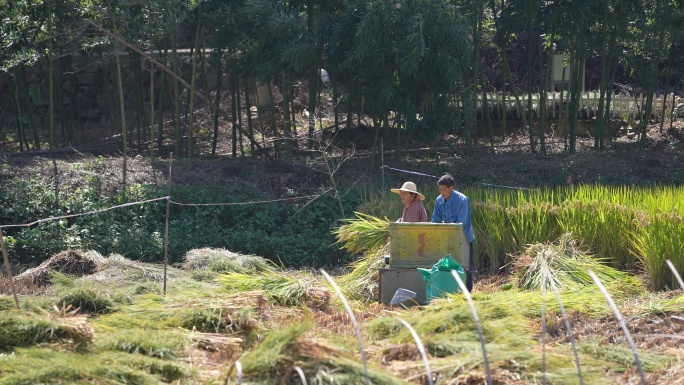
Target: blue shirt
point(455, 210)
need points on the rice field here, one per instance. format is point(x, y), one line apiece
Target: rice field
point(631, 228)
point(229, 318)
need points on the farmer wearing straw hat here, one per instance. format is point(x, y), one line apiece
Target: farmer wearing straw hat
point(452, 206)
point(414, 211)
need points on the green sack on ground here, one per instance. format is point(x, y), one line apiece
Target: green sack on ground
point(447, 264)
point(439, 280)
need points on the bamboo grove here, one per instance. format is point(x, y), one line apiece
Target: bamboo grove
point(415, 68)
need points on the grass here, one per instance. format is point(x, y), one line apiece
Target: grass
point(273, 318)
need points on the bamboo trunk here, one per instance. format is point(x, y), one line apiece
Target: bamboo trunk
point(176, 95)
point(219, 85)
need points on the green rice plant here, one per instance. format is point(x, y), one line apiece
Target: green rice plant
point(493, 240)
point(532, 223)
point(152, 343)
point(20, 328)
point(86, 299)
point(322, 363)
point(658, 303)
point(366, 232)
point(452, 319)
point(59, 279)
point(604, 227)
point(561, 265)
point(384, 203)
point(661, 237)
point(149, 311)
point(663, 199)
point(280, 287)
point(203, 275)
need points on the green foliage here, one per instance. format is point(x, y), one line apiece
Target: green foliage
point(294, 234)
point(291, 234)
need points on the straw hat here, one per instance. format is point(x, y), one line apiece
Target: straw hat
point(409, 187)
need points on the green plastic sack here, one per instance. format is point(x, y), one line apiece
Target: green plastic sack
point(439, 280)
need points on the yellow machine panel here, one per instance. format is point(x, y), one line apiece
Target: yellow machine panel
point(423, 244)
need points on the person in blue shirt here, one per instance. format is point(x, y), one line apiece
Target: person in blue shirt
point(452, 206)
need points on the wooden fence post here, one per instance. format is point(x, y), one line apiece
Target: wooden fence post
point(9, 269)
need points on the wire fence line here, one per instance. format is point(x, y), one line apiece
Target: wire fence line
point(249, 202)
point(436, 177)
point(44, 220)
point(166, 198)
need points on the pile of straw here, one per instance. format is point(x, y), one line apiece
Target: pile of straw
point(71, 262)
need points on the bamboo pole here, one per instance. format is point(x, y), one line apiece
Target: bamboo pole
point(166, 228)
point(9, 269)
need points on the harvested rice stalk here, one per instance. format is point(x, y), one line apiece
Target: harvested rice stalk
point(225, 261)
point(282, 288)
point(561, 265)
point(18, 328)
point(362, 281)
point(71, 262)
point(364, 233)
point(263, 359)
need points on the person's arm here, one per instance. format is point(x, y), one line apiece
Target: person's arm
point(437, 212)
point(465, 217)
